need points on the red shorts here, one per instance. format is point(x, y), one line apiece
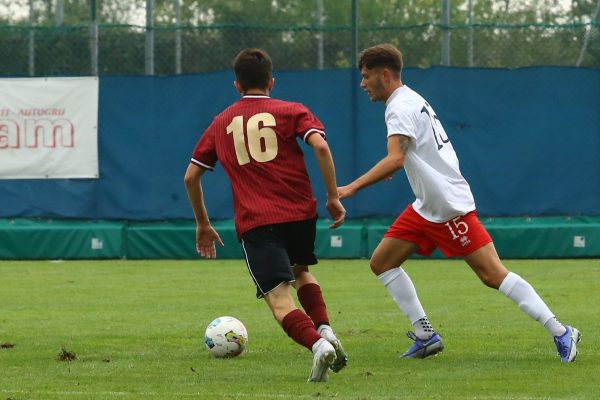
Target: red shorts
point(458, 237)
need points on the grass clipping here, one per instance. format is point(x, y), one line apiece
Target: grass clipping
point(66, 355)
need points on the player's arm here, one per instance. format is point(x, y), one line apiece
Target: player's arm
point(325, 162)
point(205, 233)
point(397, 146)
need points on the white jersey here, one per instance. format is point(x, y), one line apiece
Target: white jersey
point(430, 163)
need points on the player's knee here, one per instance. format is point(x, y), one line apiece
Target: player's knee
point(491, 280)
point(377, 268)
point(487, 282)
point(302, 274)
point(279, 313)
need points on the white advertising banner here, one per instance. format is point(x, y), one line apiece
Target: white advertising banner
point(49, 128)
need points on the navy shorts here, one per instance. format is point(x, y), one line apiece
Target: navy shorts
point(272, 250)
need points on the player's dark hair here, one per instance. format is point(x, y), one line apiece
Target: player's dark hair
point(383, 55)
point(253, 69)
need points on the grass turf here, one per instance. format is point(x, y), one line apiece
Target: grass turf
point(136, 328)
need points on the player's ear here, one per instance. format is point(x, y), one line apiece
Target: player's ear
point(387, 74)
point(238, 87)
point(271, 84)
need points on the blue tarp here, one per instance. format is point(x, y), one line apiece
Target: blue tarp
point(528, 141)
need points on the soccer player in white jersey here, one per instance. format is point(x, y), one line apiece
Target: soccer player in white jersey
point(443, 214)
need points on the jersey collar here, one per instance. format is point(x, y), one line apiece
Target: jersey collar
point(395, 94)
point(256, 96)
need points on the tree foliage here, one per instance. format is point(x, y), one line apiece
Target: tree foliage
point(298, 33)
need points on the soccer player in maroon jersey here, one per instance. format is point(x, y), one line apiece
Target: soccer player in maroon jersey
point(256, 141)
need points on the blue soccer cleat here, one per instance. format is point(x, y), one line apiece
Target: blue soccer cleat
point(424, 347)
point(567, 344)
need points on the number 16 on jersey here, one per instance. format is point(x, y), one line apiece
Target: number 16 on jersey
point(262, 141)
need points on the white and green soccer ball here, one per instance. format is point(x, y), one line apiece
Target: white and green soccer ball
point(226, 337)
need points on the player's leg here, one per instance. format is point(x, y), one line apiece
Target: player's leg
point(310, 295)
point(486, 263)
point(311, 298)
point(294, 322)
point(300, 246)
point(268, 265)
point(301, 329)
point(299, 238)
point(386, 263)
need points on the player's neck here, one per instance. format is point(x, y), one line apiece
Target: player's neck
point(256, 93)
point(392, 89)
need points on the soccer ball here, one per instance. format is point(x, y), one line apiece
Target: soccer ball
point(226, 337)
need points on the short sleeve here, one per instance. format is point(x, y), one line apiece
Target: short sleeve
point(400, 123)
point(307, 123)
point(205, 152)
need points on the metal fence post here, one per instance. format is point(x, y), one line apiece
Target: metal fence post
point(320, 35)
point(149, 48)
point(31, 44)
point(470, 42)
point(445, 26)
point(586, 40)
point(93, 39)
point(59, 17)
point(178, 37)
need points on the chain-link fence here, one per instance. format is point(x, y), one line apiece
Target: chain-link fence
point(318, 40)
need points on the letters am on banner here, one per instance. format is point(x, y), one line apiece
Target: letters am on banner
point(49, 128)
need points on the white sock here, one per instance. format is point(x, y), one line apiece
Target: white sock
point(554, 327)
point(423, 328)
point(327, 333)
point(403, 291)
point(522, 293)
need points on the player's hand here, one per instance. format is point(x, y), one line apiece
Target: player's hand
point(205, 241)
point(337, 212)
point(346, 191)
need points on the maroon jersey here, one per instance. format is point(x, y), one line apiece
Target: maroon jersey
point(255, 139)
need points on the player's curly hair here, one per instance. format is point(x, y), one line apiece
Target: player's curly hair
point(253, 69)
point(382, 55)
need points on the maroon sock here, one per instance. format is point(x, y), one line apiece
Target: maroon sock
point(300, 328)
point(311, 298)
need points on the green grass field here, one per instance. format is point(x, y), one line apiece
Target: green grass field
point(136, 328)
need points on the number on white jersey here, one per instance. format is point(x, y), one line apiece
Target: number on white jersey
point(434, 121)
